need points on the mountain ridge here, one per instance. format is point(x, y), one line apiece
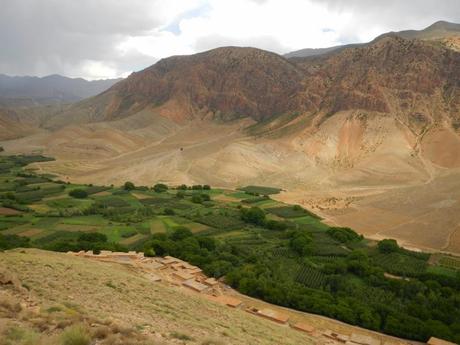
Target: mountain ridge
point(441, 28)
point(54, 88)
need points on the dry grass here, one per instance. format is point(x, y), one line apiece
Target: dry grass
point(75, 335)
point(72, 291)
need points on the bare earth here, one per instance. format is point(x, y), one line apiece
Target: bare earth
point(372, 174)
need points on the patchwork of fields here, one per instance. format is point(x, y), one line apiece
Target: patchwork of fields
point(263, 247)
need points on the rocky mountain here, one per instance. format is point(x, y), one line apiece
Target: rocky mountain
point(414, 80)
point(378, 119)
point(31, 91)
point(437, 31)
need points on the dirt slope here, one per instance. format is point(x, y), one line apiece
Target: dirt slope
point(365, 120)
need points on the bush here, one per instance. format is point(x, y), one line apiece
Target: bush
point(180, 233)
point(254, 215)
point(129, 186)
point(75, 335)
point(160, 188)
point(13, 241)
point(206, 187)
point(205, 197)
point(301, 242)
point(149, 252)
point(92, 237)
point(343, 234)
point(388, 246)
point(197, 199)
point(180, 194)
point(78, 193)
point(169, 212)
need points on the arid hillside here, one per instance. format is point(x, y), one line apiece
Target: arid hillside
point(47, 297)
point(362, 121)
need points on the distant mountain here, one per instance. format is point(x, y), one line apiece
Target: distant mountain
point(436, 31)
point(391, 75)
point(30, 91)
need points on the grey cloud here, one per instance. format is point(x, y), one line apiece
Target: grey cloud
point(55, 36)
point(262, 42)
point(392, 15)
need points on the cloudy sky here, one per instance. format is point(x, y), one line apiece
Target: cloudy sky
point(108, 38)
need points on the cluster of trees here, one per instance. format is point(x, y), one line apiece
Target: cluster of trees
point(344, 235)
point(256, 216)
point(85, 241)
point(159, 187)
point(78, 193)
point(13, 241)
point(200, 198)
point(356, 291)
point(194, 187)
point(216, 259)
point(415, 309)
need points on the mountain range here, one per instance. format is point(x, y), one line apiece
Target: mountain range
point(440, 30)
point(31, 91)
point(366, 135)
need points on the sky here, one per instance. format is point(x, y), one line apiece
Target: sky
point(98, 39)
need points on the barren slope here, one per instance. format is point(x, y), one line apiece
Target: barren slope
point(365, 120)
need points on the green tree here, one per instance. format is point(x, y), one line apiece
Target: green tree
point(254, 215)
point(169, 211)
point(78, 193)
point(160, 188)
point(129, 186)
point(197, 199)
point(301, 242)
point(388, 246)
point(180, 233)
point(180, 194)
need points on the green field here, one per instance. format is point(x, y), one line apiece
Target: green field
point(264, 248)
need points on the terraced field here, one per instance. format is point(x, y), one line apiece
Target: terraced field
point(262, 247)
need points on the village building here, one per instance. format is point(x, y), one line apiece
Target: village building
point(303, 327)
point(273, 315)
point(194, 285)
point(211, 282)
point(169, 260)
point(364, 339)
point(182, 276)
point(229, 301)
point(336, 336)
point(437, 341)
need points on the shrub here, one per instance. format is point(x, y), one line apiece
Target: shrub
point(93, 237)
point(78, 193)
point(169, 212)
point(301, 242)
point(180, 194)
point(181, 336)
point(254, 215)
point(75, 335)
point(388, 246)
point(343, 234)
point(205, 197)
point(129, 186)
point(206, 187)
point(180, 233)
point(160, 188)
point(149, 252)
point(197, 199)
